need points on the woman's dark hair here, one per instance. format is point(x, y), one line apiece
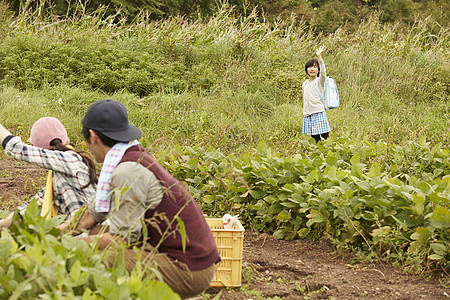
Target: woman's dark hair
point(105, 140)
point(93, 177)
point(312, 63)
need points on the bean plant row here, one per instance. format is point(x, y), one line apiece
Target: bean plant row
point(382, 201)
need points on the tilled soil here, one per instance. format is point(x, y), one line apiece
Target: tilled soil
point(278, 269)
point(273, 269)
point(18, 181)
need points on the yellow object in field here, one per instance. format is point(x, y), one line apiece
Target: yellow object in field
point(48, 210)
point(230, 243)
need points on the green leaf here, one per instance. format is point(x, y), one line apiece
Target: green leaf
point(7, 246)
point(326, 194)
point(103, 282)
point(296, 198)
point(288, 187)
point(289, 204)
point(303, 232)
point(381, 232)
point(284, 216)
point(425, 188)
point(345, 213)
point(331, 174)
point(23, 262)
point(70, 242)
point(441, 217)
point(157, 290)
point(278, 234)
point(31, 212)
point(89, 295)
point(331, 159)
point(375, 170)
point(341, 174)
point(355, 159)
point(313, 176)
point(182, 232)
point(421, 235)
point(208, 199)
point(316, 217)
point(262, 149)
point(418, 208)
point(419, 198)
point(257, 194)
point(272, 181)
point(120, 291)
point(435, 257)
point(134, 284)
point(75, 271)
point(364, 185)
point(21, 288)
point(439, 248)
point(438, 199)
point(414, 247)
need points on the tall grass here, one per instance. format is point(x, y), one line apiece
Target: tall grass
point(226, 81)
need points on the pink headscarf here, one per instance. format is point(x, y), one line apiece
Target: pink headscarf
point(46, 130)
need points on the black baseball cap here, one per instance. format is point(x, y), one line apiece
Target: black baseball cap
point(110, 118)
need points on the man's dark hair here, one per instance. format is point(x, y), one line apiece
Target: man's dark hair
point(312, 63)
point(105, 140)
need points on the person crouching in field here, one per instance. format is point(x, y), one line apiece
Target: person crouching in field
point(315, 122)
point(141, 201)
point(74, 175)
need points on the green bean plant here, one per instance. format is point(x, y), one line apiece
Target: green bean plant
point(359, 195)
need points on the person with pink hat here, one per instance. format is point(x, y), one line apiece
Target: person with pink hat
point(73, 176)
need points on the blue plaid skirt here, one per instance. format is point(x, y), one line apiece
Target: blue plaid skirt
point(316, 124)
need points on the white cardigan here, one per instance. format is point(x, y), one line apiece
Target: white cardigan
point(311, 99)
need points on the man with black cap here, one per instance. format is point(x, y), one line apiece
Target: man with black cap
point(135, 191)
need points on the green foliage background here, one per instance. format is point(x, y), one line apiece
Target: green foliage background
point(324, 15)
point(230, 81)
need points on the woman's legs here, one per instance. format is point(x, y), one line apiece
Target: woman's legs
point(319, 137)
point(315, 123)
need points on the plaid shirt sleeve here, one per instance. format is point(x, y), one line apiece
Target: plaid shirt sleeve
point(70, 174)
point(66, 162)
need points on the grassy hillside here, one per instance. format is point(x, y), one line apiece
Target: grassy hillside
point(229, 82)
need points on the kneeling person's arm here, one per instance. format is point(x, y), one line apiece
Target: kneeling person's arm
point(134, 190)
point(137, 189)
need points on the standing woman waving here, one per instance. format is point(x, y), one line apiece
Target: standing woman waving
point(315, 121)
point(73, 176)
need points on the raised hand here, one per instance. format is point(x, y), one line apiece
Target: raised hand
point(319, 51)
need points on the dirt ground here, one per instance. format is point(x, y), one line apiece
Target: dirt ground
point(277, 269)
point(18, 181)
point(273, 269)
